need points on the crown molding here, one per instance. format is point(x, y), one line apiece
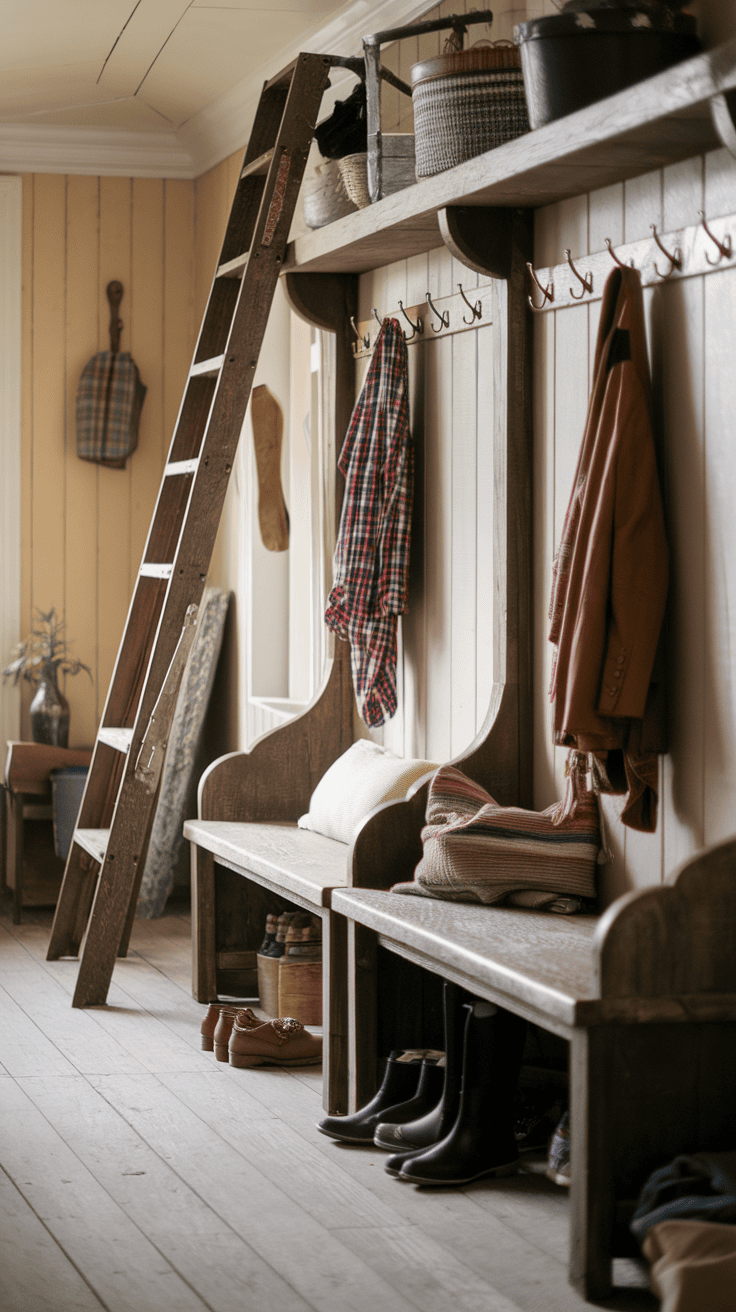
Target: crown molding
point(206, 138)
point(31, 148)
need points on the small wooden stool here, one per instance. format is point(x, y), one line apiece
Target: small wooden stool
point(27, 781)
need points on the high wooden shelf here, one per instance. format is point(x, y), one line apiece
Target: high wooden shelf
point(661, 121)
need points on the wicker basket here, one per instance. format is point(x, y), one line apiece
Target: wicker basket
point(466, 103)
point(324, 196)
point(397, 168)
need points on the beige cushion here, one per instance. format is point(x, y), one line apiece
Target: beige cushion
point(363, 777)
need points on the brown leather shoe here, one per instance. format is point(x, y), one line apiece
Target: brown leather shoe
point(281, 1042)
point(304, 938)
point(223, 1029)
point(209, 1024)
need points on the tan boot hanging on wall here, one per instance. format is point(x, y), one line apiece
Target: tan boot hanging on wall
point(268, 428)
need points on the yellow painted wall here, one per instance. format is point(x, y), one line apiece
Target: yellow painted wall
point(84, 526)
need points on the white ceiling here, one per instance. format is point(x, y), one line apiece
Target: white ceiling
point(89, 85)
point(142, 64)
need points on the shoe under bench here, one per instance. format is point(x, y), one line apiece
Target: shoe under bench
point(645, 995)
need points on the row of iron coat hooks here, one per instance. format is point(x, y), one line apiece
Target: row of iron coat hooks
point(438, 318)
point(688, 252)
point(697, 242)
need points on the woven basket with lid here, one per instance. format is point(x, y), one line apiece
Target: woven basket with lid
point(465, 103)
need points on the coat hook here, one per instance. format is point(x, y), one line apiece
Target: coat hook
point(587, 282)
point(377, 317)
point(548, 292)
point(443, 316)
point(724, 247)
point(416, 328)
point(614, 256)
point(475, 310)
point(114, 296)
point(675, 260)
point(364, 341)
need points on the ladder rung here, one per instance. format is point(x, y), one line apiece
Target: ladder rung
point(180, 467)
point(233, 268)
point(258, 165)
point(207, 368)
point(120, 739)
point(148, 571)
point(93, 841)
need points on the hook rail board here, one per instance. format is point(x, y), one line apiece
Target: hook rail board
point(695, 250)
point(460, 313)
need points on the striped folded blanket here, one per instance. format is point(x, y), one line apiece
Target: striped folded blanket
point(478, 851)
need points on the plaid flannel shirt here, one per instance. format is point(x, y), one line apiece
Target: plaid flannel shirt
point(108, 407)
point(370, 589)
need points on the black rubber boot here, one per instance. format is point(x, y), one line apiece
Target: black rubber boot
point(405, 1137)
point(399, 1084)
point(425, 1100)
point(481, 1142)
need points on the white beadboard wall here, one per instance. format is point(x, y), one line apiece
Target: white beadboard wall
point(445, 645)
point(692, 337)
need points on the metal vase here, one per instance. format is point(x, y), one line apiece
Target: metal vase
point(50, 712)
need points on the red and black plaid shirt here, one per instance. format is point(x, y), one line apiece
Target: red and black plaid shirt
point(372, 553)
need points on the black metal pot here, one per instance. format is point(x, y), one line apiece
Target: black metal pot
point(591, 50)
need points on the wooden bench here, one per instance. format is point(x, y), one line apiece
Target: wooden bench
point(645, 994)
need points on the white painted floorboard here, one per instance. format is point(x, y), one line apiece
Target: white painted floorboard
point(139, 1175)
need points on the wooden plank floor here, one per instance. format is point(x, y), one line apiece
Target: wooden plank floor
point(139, 1175)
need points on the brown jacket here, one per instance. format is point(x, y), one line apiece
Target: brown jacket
point(610, 577)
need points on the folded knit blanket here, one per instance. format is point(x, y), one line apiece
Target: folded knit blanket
point(478, 851)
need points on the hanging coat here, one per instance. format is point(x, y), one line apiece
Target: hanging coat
point(611, 572)
point(370, 588)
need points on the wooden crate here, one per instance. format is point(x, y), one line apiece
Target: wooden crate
point(268, 984)
point(300, 990)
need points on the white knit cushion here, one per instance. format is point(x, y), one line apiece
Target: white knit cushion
point(363, 777)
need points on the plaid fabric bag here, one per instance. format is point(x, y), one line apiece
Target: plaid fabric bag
point(110, 397)
point(478, 851)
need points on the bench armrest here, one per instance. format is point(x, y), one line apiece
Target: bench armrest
point(275, 779)
point(675, 938)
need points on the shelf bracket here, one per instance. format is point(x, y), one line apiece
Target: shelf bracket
point(723, 114)
point(485, 239)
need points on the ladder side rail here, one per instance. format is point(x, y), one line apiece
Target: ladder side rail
point(267, 118)
point(232, 392)
point(121, 871)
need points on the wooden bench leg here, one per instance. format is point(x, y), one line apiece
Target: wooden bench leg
point(362, 950)
point(335, 1013)
point(204, 962)
point(592, 1202)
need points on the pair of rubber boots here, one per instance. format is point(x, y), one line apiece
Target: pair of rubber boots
point(451, 1121)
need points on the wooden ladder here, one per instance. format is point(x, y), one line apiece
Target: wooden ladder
point(105, 864)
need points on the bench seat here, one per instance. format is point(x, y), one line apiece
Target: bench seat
point(296, 863)
point(540, 963)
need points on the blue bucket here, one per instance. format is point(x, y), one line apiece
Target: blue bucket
point(67, 787)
